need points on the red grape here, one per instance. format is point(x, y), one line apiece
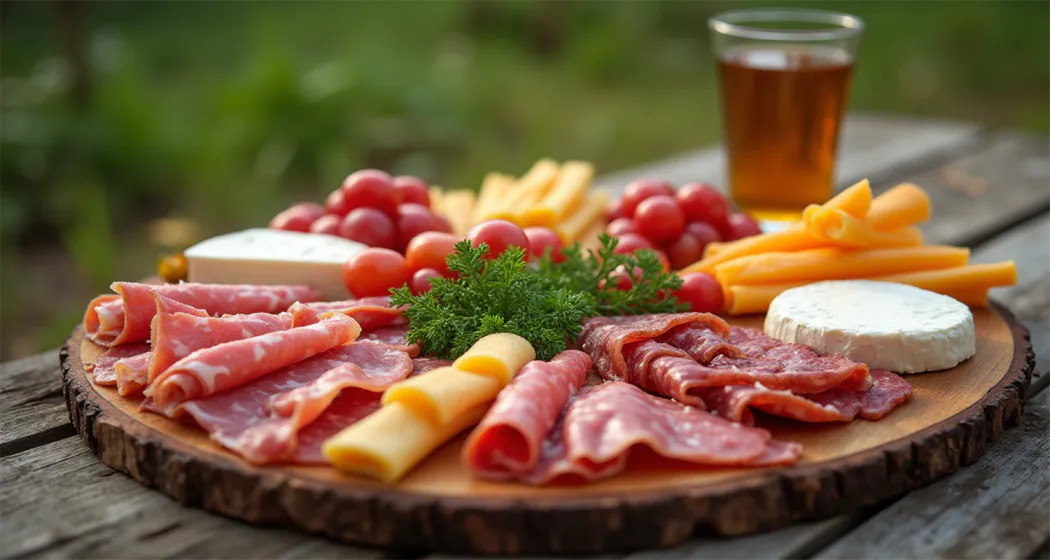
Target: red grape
point(614, 209)
point(372, 272)
point(620, 226)
point(411, 189)
point(542, 239)
point(370, 188)
point(420, 282)
point(703, 203)
point(659, 218)
point(701, 291)
point(336, 203)
point(414, 219)
point(704, 233)
point(742, 225)
point(631, 242)
point(685, 250)
point(498, 235)
point(329, 224)
point(429, 250)
point(298, 217)
point(640, 190)
point(369, 226)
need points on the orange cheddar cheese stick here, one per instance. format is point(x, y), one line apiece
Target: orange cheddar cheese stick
point(831, 263)
point(589, 213)
point(563, 198)
point(792, 239)
point(902, 206)
point(854, 200)
point(530, 188)
point(458, 207)
point(494, 188)
point(843, 230)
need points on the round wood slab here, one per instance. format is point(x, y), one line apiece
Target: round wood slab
point(949, 421)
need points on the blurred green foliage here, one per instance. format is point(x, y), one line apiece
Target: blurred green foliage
point(116, 113)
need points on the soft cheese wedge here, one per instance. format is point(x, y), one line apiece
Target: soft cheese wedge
point(886, 325)
point(270, 256)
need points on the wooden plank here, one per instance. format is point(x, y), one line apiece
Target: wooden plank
point(31, 398)
point(872, 145)
point(995, 508)
point(60, 501)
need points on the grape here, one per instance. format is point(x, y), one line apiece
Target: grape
point(411, 189)
point(328, 224)
point(298, 217)
point(685, 250)
point(742, 225)
point(414, 219)
point(369, 226)
point(704, 233)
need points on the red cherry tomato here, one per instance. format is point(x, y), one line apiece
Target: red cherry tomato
point(614, 209)
point(442, 223)
point(370, 188)
point(631, 242)
point(498, 235)
point(429, 250)
point(374, 271)
point(369, 226)
point(640, 190)
point(701, 291)
point(659, 218)
point(420, 282)
point(298, 217)
point(414, 219)
point(411, 189)
point(704, 232)
point(336, 203)
point(329, 224)
point(620, 226)
point(622, 281)
point(665, 263)
point(703, 203)
point(542, 239)
point(685, 251)
point(742, 225)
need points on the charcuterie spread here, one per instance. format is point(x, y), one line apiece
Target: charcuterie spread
point(569, 336)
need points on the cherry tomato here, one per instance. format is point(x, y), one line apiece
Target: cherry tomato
point(372, 272)
point(442, 223)
point(659, 218)
point(414, 219)
point(622, 281)
point(614, 210)
point(685, 250)
point(704, 232)
point(543, 239)
point(336, 203)
point(429, 250)
point(703, 203)
point(640, 190)
point(631, 242)
point(498, 235)
point(370, 188)
point(298, 217)
point(369, 226)
point(701, 291)
point(620, 226)
point(742, 225)
point(665, 262)
point(420, 282)
point(329, 223)
point(411, 189)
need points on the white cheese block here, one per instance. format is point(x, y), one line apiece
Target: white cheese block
point(270, 256)
point(883, 324)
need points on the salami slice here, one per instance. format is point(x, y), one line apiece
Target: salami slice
point(700, 342)
point(118, 319)
point(423, 364)
point(605, 337)
point(371, 312)
point(350, 406)
point(509, 439)
point(262, 420)
point(222, 367)
point(394, 336)
point(103, 369)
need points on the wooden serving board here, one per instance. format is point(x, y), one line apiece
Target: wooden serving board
point(950, 419)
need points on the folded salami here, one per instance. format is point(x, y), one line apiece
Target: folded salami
point(103, 369)
point(370, 312)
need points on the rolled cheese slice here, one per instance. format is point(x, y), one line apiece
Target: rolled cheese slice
point(885, 325)
point(443, 394)
point(498, 356)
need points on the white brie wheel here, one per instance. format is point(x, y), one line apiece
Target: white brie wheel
point(886, 325)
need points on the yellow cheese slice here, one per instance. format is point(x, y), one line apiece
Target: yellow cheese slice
point(437, 197)
point(458, 207)
point(586, 215)
point(531, 188)
point(494, 188)
point(564, 197)
point(498, 356)
point(443, 394)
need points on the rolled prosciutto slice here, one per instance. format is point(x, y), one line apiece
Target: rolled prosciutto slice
point(262, 420)
point(118, 319)
point(222, 367)
point(508, 440)
point(103, 369)
point(838, 404)
point(371, 312)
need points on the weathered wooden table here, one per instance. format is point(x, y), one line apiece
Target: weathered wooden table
point(990, 191)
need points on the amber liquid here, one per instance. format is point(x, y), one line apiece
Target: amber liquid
point(782, 108)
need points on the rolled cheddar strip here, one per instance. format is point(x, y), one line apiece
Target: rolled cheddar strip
point(902, 206)
point(589, 212)
point(531, 187)
point(854, 200)
point(842, 230)
point(443, 394)
point(564, 197)
point(498, 356)
point(494, 188)
point(392, 440)
point(458, 207)
point(792, 239)
point(831, 263)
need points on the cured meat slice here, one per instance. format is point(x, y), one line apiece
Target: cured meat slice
point(262, 420)
point(222, 367)
point(394, 336)
point(118, 319)
point(700, 342)
point(103, 369)
point(837, 404)
point(424, 364)
point(509, 439)
point(349, 407)
point(132, 373)
point(605, 425)
point(371, 312)
point(605, 337)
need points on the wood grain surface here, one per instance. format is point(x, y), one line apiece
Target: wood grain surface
point(948, 421)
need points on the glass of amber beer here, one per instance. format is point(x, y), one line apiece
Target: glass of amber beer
point(784, 78)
